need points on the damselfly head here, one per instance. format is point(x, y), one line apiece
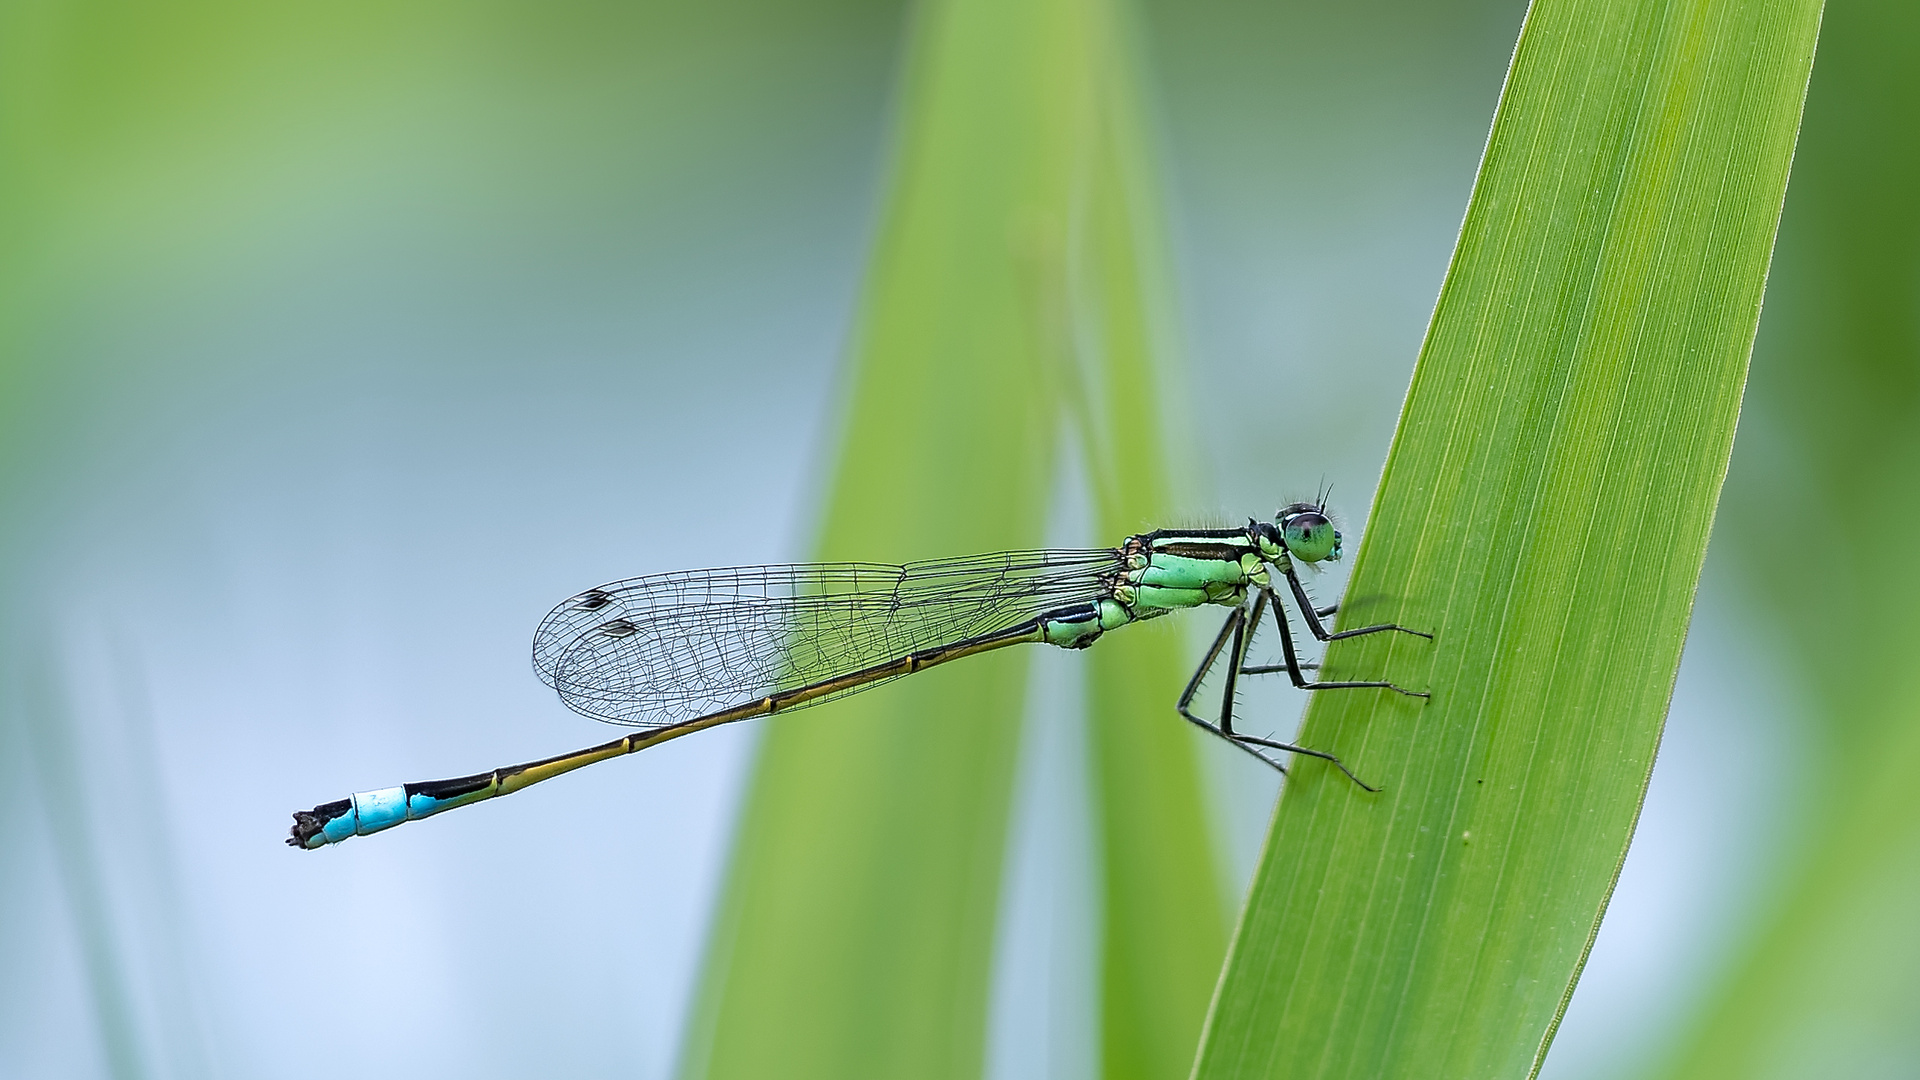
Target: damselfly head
point(1307, 533)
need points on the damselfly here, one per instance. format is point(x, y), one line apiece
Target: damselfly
point(678, 653)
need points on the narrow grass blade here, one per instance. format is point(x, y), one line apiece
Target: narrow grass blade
point(1830, 983)
point(1165, 929)
point(857, 929)
point(1544, 511)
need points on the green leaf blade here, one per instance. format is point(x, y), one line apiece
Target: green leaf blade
point(1544, 512)
point(858, 927)
point(856, 933)
point(1165, 928)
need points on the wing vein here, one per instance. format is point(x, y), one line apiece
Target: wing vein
point(663, 649)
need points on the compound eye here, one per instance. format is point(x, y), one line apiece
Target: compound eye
point(1311, 537)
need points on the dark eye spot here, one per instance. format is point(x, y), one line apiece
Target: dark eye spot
point(619, 628)
point(592, 600)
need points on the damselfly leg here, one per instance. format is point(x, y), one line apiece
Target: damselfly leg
point(1312, 616)
point(1234, 640)
point(1293, 667)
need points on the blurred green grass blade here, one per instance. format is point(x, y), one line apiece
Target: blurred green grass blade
point(1830, 983)
point(856, 934)
point(1165, 929)
point(855, 938)
point(1545, 510)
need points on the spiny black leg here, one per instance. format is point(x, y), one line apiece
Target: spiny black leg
point(1237, 743)
point(1292, 666)
point(1233, 629)
point(1235, 621)
point(1312, 615)
point(1235, 659)
point(1238, 629)
point(1295, 748)
point(1253, 628)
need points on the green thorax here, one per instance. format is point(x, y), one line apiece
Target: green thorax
point(1168, 570)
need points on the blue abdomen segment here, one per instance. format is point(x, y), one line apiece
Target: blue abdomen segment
point(371, 811)
point(367, 812)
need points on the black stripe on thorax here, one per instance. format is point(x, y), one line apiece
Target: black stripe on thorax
point(1221, 545)
point(1157, 535)
point(1215, 552)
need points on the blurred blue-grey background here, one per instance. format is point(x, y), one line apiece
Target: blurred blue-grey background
point(341, 341)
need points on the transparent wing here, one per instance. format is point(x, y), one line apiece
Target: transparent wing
point(658, 650)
